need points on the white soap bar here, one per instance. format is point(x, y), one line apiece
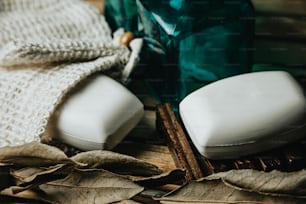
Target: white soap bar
point(99, 115)
point(245, 114)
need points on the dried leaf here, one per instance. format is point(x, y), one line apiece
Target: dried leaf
point(215, 191)
point(5, 164)
point(117, 163)
point(172, 177)
point(22, 174)
point(91, 186)
point(7, 195)
point(34, 154)
point(127, 202)
point(32, 177)
point(269, 183)
point(148, 195)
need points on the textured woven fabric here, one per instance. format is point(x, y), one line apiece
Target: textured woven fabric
point(46, 48)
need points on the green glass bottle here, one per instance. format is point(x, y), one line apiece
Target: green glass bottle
point(122, 14)
point(190, 43)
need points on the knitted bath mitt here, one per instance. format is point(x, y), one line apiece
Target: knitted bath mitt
point(47, 47)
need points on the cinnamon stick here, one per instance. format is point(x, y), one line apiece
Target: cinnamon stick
point(178, 142)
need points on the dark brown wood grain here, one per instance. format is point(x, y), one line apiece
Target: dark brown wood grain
point(180, 148)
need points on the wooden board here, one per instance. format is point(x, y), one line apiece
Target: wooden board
point(179, 145)
point(281, 7)
point(158, 155)
point(145, 143)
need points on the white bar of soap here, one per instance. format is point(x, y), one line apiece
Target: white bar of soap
point(99, 115)
point(245, 114)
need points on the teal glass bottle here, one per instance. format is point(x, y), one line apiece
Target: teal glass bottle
point(190, 43)
point(122, 14)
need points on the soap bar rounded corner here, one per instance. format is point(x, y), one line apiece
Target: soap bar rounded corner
point(245, 114)
point(99, 115)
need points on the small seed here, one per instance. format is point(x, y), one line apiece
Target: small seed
point(126, 38)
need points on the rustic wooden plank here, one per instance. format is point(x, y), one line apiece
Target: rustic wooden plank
point(279, 27)
point(178, 143)
point(280, 7)
point(156, 154)
point(280, 52)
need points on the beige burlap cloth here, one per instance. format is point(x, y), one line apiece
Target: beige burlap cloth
point(46, 48)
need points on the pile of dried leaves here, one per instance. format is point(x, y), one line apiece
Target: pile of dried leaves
point(38, 173)
point(41, 173)
point(243, 186)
